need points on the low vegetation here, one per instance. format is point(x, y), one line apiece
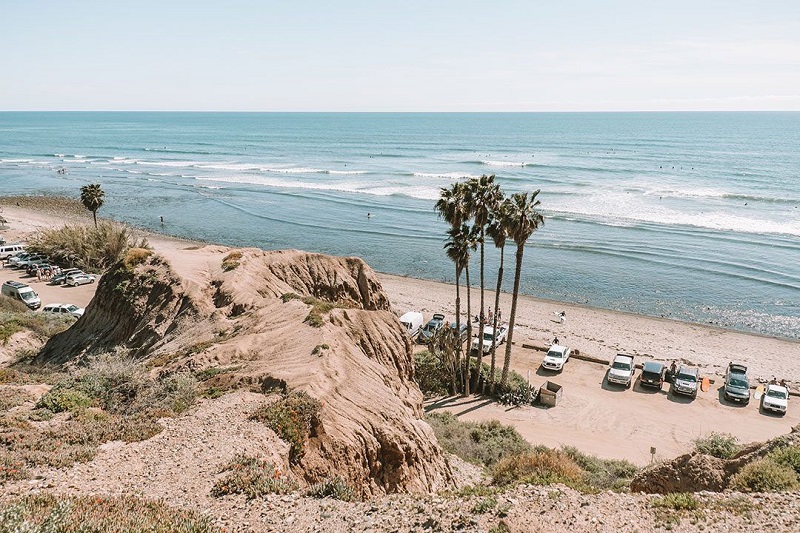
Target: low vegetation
point(333, 487)
point(765, 475)
point(87, 247)
point(482, 443)
point(14, 319)
point(231, 261)
point(136, 256)
point(252, 477)
point(319, 308)
point(44, 513)
point(512, 460)
point(671, 508)
point(110, 398)
point(293, 417)
point(721, 445)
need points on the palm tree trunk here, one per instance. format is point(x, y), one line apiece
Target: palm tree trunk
point(483, 237)
point(94, 214)
point(513, 316)
point(494, 318)
point(457, 366)
point(480, 325)
point(469, 339)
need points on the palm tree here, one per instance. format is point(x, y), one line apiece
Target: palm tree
point(523, 221)
point(498, 229)
point(451, 205)
point(482, 197)
point(92, 199)
point(461, 241)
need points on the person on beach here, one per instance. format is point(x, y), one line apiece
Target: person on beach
point(555, 340)
point(562, 317)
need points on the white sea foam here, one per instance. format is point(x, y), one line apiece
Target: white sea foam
point(445, 175)
point(16, 160)
point(344, 172)
point(294, 170)
point(505, 163)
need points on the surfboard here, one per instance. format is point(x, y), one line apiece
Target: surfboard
point(705, 384)
point(759, 392)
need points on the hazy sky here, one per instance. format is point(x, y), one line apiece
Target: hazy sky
point(432, 55)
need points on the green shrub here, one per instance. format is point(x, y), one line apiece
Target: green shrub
point(46, 513)
point(765, 475)
point(293, 417)
point(231, 261)
point(252, 477)
point(64, 398)
point(289, 296)
point(485, 505)
point(334, 487)
point(432, 377)
point(44, 325)
point(319, 349)
point(788, 456)
point(483, 443)
point(721, 445)
point(602, 474)
point(542, 466)
point(677, 501)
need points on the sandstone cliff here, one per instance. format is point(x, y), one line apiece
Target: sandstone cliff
point(250, 319)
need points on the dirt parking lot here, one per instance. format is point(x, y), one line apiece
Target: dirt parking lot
point(615, 422)
point(50, 294)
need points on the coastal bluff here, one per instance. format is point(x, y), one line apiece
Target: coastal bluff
point(267, 321)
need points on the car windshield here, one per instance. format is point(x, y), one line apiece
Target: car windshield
point(488, 336)
point(772, 393)
point(738, 382)
point(27, 295)
point(72, 308)
point(555, 354)
point(621, 365)
point(687, 377)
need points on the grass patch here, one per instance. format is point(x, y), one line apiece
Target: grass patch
point(231, 261)
point(602, 474)
point(334, 487)
point(293, 417)
point(319, 348)
point(721, 445)
point(482, 443)
point(671, 508)
point(542, 466)
point(43, 325)
point(252, 477)
point(43, 513)
point(85, 246)
point(136, 256)
point(485, 505)
point(319, 308)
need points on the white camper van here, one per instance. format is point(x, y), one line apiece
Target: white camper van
point(7, 250)
point(20, 291)
point(412, 321)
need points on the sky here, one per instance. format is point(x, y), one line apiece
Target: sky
point(414, 55)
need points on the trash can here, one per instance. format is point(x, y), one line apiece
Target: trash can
point(550, 394)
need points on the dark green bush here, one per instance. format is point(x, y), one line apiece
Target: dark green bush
point(483, 443)
point(334, 487)
point(721, 445)
point(765, 475)
point(252, 477)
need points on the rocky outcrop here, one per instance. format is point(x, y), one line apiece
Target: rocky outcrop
point(695, 472)
point(250, 322)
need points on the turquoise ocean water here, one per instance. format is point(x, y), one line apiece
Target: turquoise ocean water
point(694, 216)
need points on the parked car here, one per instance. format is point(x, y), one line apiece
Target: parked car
point(63, 309)
point(737, 386)
point(79, 279)
point(12, 260)
point(621, 371)
point(686, 381)
point(434, 324)
point(33, 258)
point(489, 338)
point(775, 398)
point(555, 357)
point(32, 268)
point(60, 278)
point(412, 321)
point(20, 291)
point(653, 374)
point(462, 333)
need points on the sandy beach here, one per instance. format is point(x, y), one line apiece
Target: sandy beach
point(592, 416)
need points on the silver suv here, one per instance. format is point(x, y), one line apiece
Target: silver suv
point(686, 381)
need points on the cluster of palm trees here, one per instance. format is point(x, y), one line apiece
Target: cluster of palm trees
point(474, 209)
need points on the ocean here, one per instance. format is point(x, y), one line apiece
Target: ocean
point(693, 216)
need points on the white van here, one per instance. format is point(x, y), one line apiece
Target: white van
point(412, 321)
point(23, 293)
point(7, 250)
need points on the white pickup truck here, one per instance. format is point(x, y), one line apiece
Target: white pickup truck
point(621, 371)
point(489, 338)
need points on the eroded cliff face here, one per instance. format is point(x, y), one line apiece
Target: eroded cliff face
point(251, 321)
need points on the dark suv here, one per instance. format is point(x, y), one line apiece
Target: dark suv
point(653, 374)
